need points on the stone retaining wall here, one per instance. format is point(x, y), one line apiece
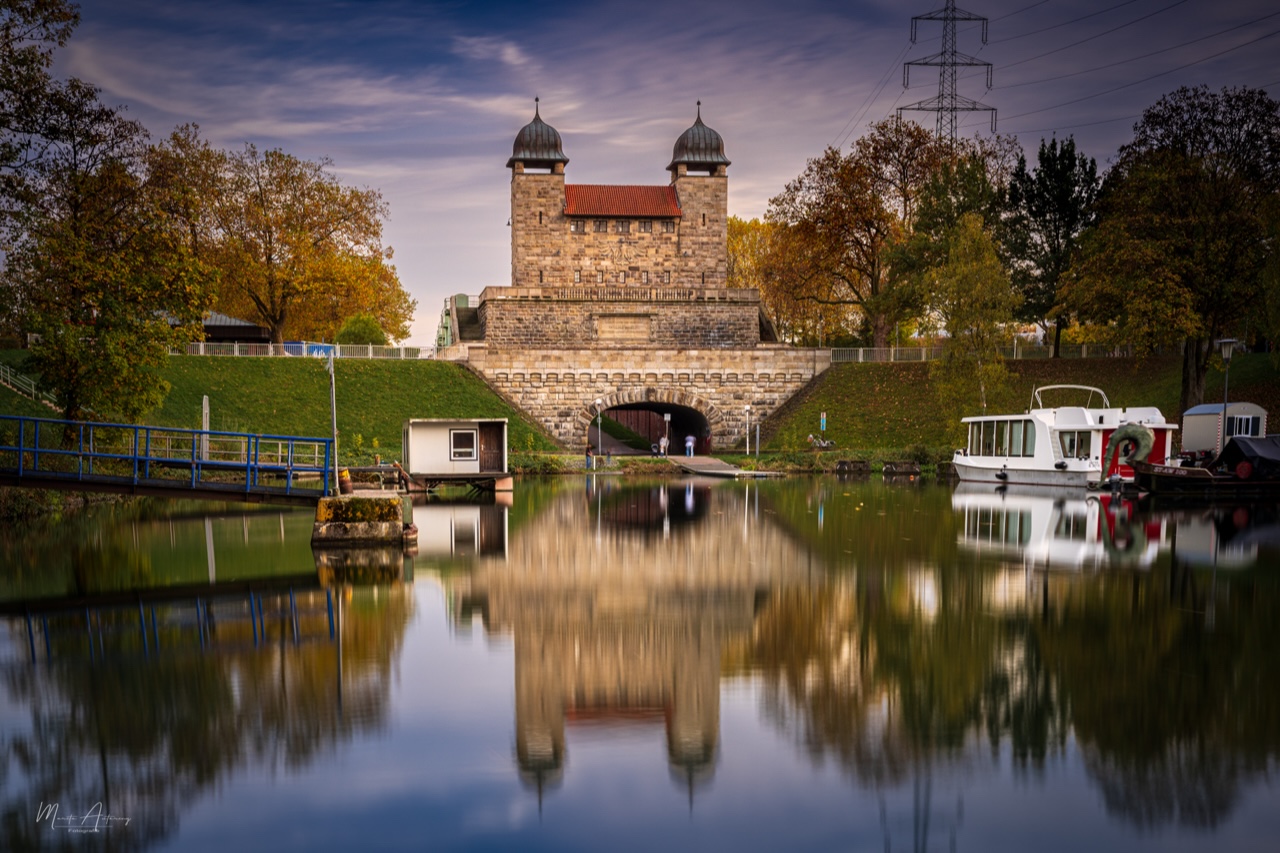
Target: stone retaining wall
point(559, 387)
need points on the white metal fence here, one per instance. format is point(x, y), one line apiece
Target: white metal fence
point(306, 349)
point(1016, 352)
point(26, 386)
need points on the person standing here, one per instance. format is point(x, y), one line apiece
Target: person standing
point(663, 444)
point(688, 444)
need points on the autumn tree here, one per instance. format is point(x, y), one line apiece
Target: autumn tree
point(1048, 209)
point(29, 32)
point(294, 243)
point(841, 217)
point(1181, 244)
point(95, 268)
point(975, 302)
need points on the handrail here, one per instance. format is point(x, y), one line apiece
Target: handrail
point(1035, 394)
point(140, 454)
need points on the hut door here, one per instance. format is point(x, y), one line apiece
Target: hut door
point(491, 449)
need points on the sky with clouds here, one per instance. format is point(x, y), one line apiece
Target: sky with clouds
point(422, 100)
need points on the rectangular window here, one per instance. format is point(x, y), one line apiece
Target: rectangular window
point(666, 277)
point(988, 439)
point(624, 226)
point(1015, 438)
point(577, 276)
point(644, 277)
point(599, 276)
point(668, 226)
point(462, 445)
point(1028, 438)
point(1068, 442)
point(622, 277)
point(578, 226)
point(646, 226)
point(600, 226)
point(1002, 444)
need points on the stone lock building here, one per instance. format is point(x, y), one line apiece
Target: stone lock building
point(619, 302)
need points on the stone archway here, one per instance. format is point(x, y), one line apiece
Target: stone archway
point(689, 415)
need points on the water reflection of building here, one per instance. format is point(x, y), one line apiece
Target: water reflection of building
point(620, 604)
point(461, 530)
point(1069, 529)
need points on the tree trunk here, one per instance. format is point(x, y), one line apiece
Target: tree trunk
point(1195, 365)
point(1058, 324)
point(879, 331)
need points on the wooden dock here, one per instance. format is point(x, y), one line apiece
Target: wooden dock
point(709, 466)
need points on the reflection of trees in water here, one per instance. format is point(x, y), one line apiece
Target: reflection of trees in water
point(146, 739)
point(1173, 719)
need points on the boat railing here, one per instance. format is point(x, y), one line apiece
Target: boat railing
point(1037, 404)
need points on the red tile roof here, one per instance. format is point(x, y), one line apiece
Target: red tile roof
point(620, 201)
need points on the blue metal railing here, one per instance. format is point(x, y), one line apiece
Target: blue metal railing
point(84, 451)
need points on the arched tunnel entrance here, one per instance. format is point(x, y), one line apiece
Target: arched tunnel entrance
point(643, 424)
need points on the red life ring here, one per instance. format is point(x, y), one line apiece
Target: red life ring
point(1244, 469)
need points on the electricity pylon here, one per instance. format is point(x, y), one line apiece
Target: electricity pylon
point(948, 102)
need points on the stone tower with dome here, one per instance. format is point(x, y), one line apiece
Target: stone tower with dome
point(619, 300)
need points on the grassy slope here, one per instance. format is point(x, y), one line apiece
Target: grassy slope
point(869, 406)
point(290, 396)
point(892, 405)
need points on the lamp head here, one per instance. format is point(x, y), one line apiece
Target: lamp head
point(1226, 346)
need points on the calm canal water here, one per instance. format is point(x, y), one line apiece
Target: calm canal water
point(803, 664)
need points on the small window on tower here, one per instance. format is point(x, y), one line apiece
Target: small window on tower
point(539, 276)
point(539, 217)
point(622, 277)
point(624, 226)
point(668, 226)
point(600, 225)
point(646, 226)
point(666, 277)
point(577, 276)
point(644, 277)
point(599, 276)
point(577, 226)
point(704, 219)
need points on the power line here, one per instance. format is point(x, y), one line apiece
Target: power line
point(1136, 58)
point(1074, 126)
point(1065, 23)
point(1147, 79)
point(1096, 35)
point(1020, 11)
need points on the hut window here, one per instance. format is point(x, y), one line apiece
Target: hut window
point(462, 445)
point(624, 226)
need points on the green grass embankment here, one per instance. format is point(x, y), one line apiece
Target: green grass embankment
point(290, 396)
point(882, 411)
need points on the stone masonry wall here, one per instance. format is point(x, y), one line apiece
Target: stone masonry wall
point(544, 251)
point(559, 387)
point(569, 317)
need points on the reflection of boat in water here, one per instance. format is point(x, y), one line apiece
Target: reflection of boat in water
point(1058, 446)
point(1063, 527)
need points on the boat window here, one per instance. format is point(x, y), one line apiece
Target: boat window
point(1076, 444)
point(1002, 438)
point(1029, 439)
point(1015, 438)
point(988, 439)
point(975, 438)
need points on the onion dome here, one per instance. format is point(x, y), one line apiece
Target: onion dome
point(699, 148)
point(537, 144)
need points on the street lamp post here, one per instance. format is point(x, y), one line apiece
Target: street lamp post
point(1227, 346)
point(599, 436)
point(748, 410)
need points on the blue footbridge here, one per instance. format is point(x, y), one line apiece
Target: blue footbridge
point(132, 459)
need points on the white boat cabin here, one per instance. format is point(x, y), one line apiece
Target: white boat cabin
point(1060, 445)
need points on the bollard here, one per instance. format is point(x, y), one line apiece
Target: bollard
point(344, 482)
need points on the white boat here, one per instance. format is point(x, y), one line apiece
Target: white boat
point(1058, 446)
